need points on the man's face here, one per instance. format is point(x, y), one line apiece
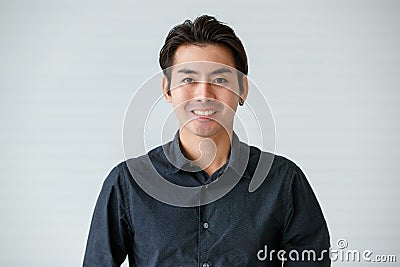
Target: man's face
point(204, 89)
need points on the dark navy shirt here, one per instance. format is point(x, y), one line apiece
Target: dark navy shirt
point(238, 229)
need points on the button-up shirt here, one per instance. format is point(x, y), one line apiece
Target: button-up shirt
point(281, 219)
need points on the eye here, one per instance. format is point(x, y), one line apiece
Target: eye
point(188, 80)
point(220, 80)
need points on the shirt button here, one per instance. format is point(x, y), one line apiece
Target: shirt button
point(206, 264)
point(205, 226)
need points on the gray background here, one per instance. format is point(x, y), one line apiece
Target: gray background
point(68, 69)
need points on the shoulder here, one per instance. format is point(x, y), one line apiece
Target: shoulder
point(294, 180)
point(283, 163)
point(116, 176)
point(278, 162)
point(279, 167)
point(122, 172)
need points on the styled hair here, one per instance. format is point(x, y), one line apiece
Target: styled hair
point(202, 31)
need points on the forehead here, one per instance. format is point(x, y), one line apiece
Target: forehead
point(210, 53)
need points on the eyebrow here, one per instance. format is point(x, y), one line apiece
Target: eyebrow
point(220, 71)
point(187, 71)
point(217, 71)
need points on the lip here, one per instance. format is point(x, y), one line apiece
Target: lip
point(204, 117)
point(204, 112)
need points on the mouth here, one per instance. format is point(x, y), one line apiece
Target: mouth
point(204, 113)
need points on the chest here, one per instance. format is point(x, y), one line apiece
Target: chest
point(231, 229)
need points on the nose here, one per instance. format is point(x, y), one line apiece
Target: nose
point(204, 91)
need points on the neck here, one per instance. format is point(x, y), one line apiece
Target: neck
point(209, 153)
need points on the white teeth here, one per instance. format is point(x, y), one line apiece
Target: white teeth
point(204, 112)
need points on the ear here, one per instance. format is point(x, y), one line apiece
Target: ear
point(166, 89)
point(245, 88)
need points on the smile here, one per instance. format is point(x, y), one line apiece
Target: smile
point(204, 112)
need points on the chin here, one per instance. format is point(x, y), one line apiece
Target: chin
point(206, 133)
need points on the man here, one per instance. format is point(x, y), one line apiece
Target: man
point(205, 68)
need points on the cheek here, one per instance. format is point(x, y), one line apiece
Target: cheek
point(231, 99)
point(180, 95)
point(178, 100)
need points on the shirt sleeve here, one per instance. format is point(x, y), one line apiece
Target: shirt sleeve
point(305, 236)
point(110, 234)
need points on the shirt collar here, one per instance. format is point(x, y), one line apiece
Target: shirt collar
point(238, 157)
